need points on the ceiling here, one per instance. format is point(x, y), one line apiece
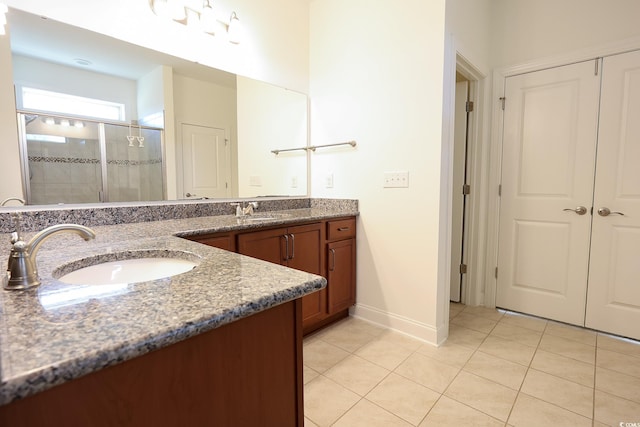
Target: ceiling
point(53, 41)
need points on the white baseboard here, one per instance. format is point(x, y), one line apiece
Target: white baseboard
point(421, 331)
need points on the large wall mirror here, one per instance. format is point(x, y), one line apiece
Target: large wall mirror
point(181, 130)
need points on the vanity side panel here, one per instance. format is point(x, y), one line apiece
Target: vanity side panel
point(245, 373)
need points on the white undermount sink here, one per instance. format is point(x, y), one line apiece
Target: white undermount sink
point(128, 271)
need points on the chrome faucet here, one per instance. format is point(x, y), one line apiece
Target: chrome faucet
point(243, 210)
point(22, 270)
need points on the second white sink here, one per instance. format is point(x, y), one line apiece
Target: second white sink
point(128, 271)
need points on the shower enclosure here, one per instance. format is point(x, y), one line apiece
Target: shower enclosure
point(76, 160)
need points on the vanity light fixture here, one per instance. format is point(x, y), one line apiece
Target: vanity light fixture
point(50, 121)
point(203, 18)
point(65, 122)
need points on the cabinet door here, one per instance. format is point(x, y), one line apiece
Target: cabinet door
point(226, 242)
point(305, 254)
point(268, 245)
point(341, 274)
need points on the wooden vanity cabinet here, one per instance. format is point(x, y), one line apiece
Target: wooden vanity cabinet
point(297, 247)
point(326, 248)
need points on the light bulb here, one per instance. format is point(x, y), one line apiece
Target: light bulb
point(64, 122)
point(235, 30)
point(177, 10)
point(50, 121)
point(78, 124)
point(208, 18)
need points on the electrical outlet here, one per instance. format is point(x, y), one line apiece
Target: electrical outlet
point(396, 179)
point(255, 181)
point(329, 180)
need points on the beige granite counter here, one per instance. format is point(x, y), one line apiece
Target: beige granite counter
point(58, 332)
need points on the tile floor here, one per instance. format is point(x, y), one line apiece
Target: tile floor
point(496, 369)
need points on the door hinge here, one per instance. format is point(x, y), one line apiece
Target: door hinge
point(503, 99)
point(226, 185)
point(499, 189)
point(226, 142)
point(466, 189)
point(597, 64)
point(469, 106)
point(463, 268)
point(496, 274)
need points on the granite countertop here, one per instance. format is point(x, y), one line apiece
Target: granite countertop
point(58, 332)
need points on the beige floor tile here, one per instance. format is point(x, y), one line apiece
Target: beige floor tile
point(618, 384)
point(508, 350)
point(358, 325)
point(619, 345)
point(477, 323)
point(531, 412)
point(564, 367)
point(449, 353)
point(489, 313)
point(325, 401)
point(465, 336)
point(320, 355)
point(357, 374)
point(396, 338)
point(574, 333)
point(308, 374)
point(612, 410)
point(572, 349)
point(498, 370)
point(309, 423)
point(524, 321)
point(450, 413)
point(560, 392)
point(428, 372)
point(404, 398)
point(618, 362)
point(346, 337)
point(599, 424)
point(383, 353)
point(366, 414)
point(455, 309)
point(517, 333)
point(486, 396)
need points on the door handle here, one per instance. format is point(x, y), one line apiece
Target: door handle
point(580, 210)
point(190, 195)
point(286, 245)
point(293, 246)
point(607, 212)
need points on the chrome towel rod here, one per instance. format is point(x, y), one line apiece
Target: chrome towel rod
point(314, 147)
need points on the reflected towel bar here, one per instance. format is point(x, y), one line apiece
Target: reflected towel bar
point(314, 147)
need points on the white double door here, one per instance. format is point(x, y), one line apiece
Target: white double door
point(571, 154)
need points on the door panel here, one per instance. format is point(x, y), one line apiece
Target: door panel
point(206, 162)
point(549, 146)
point(613, 303)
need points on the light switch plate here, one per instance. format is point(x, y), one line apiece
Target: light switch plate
point(396, 179)
point(329, 180)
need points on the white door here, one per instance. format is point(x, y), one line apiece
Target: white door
point(459, 165)
point(549, 147)
point(206, 168)
point(614, 277)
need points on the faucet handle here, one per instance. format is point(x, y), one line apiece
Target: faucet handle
point(17, 222)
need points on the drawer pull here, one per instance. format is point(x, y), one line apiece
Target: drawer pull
point(293, 246)
point(286, 245)
point(344, 228)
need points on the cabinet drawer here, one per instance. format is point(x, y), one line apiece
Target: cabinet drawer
point(341, 229)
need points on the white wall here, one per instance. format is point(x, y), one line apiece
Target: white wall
point(525, 30)
point(376, 77)
point(271, 118)
point(274, 48)
point(46, 75)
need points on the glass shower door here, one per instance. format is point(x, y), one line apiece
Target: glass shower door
point(134, 163)
point(63, 158)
